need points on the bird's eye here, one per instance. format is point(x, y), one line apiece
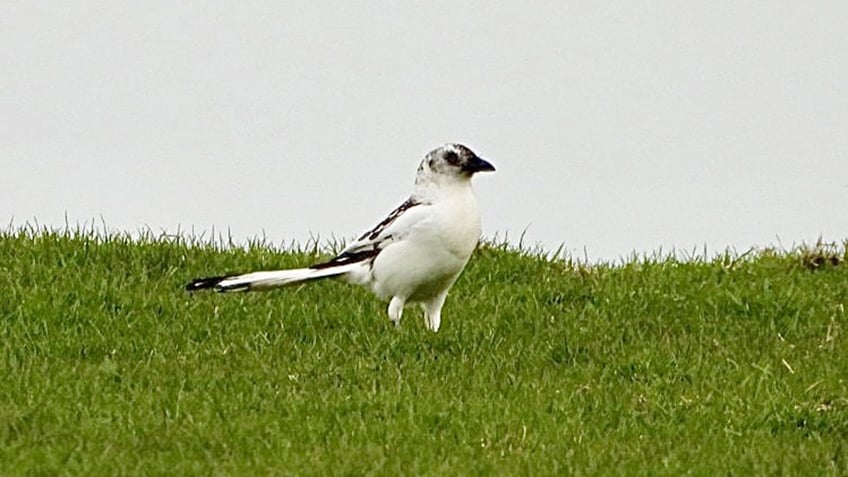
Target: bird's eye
point(452, 158)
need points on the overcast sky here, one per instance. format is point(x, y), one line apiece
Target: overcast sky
point(615, 126)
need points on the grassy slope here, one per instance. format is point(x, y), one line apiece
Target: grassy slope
point(651, 367)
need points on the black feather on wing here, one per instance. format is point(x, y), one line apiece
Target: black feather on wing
point(375, 232)
point(346, 258)
point(365, 248)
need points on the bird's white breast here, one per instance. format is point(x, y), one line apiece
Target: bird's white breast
point(430, 258)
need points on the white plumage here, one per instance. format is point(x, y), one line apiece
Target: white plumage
point(413, 256)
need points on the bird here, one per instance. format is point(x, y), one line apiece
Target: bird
point(413, 256)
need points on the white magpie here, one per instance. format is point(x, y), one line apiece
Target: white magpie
point(413, 256)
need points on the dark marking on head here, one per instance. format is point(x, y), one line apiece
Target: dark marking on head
point(464, 150)
point(451, 157)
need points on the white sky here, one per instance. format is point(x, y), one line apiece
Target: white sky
point(616, 127)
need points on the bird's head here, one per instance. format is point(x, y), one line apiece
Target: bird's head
point(451, 163)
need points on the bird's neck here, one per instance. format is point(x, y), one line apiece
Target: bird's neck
point(435, 190)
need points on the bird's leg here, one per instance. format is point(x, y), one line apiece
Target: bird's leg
point(433, 311)
point(396, 310)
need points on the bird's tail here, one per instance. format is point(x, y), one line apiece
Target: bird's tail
point(265, 280)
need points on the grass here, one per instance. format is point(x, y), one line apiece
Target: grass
point(657, 366)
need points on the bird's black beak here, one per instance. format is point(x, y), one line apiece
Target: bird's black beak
point(478, 165)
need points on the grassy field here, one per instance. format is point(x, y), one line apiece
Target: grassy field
point(732, 365)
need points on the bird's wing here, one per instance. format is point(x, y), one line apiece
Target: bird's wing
point(396, 226)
